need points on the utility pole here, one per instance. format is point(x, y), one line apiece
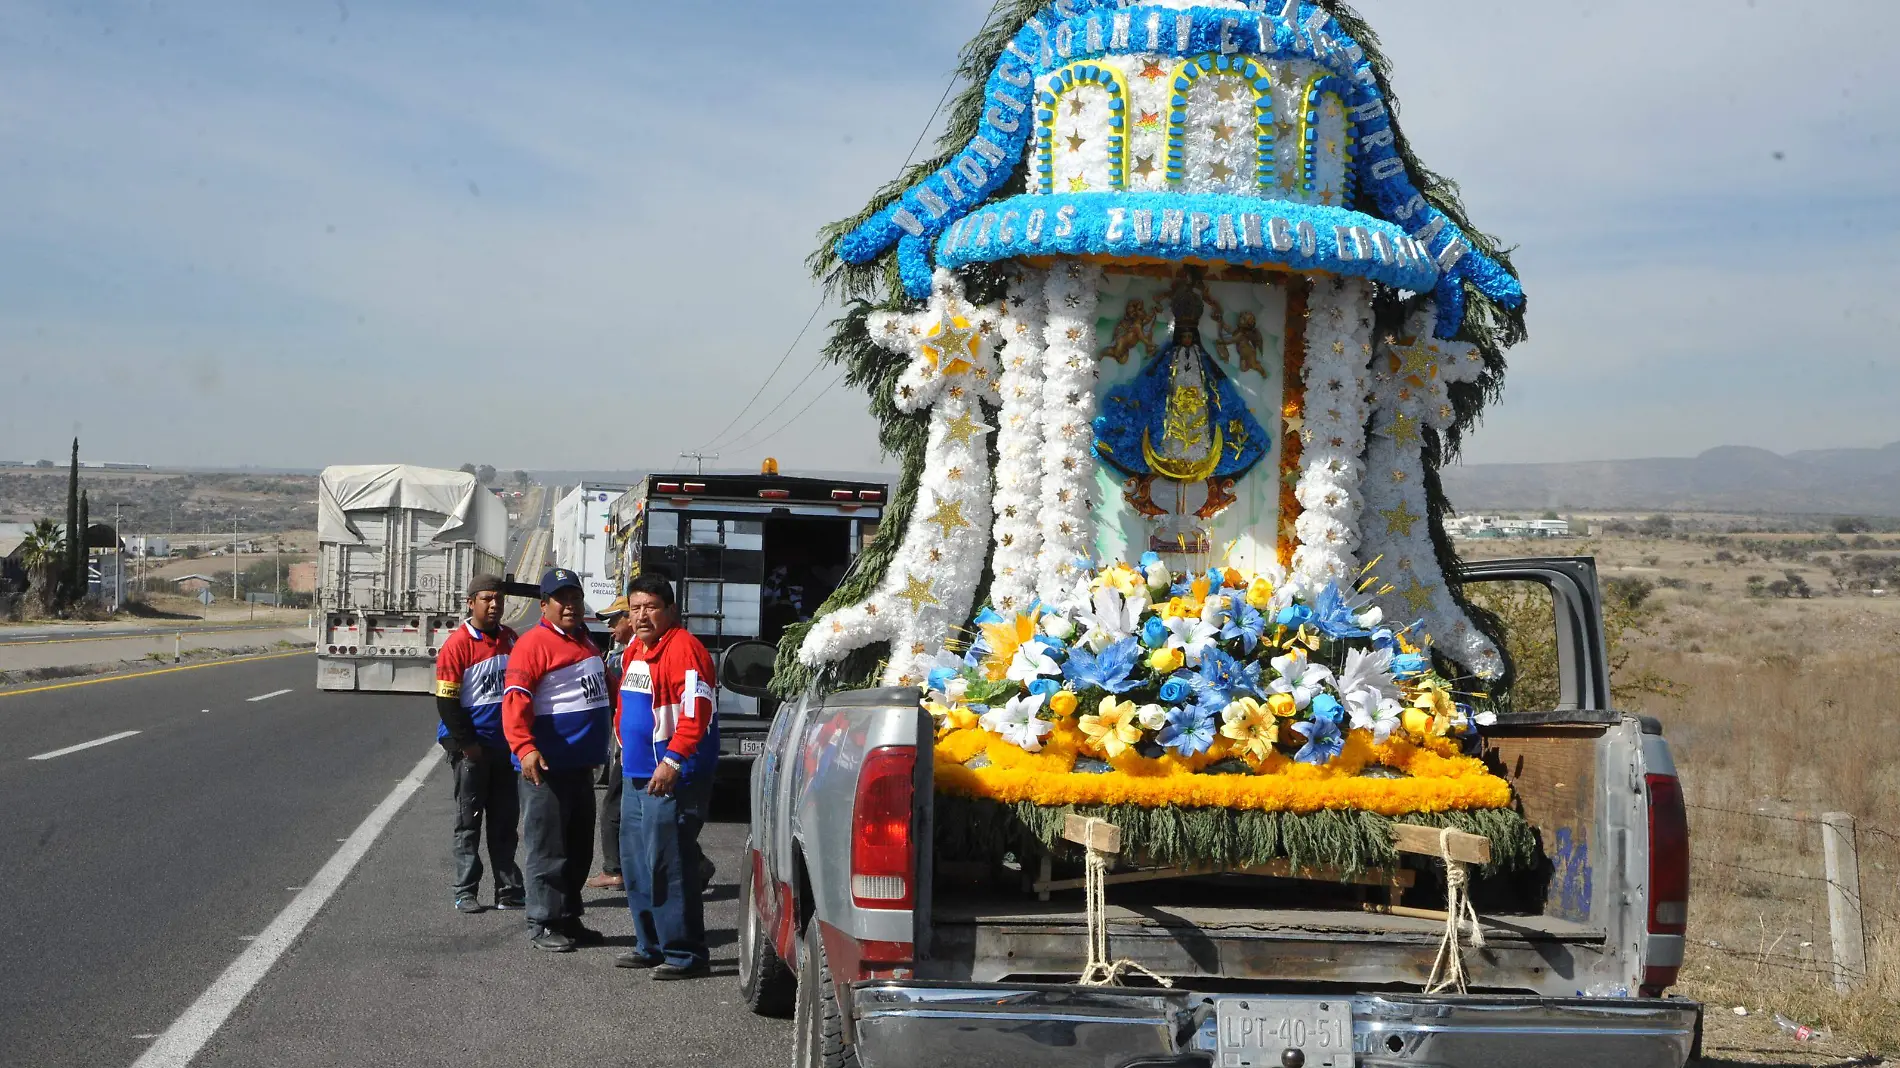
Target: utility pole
point(234, 562)
point(699, 460)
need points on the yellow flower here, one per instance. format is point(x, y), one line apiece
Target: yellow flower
point(1113, 728)
point(1062, 703)
point(1121, 578)
point(1199, 588)
point(1260, 593)
point(1167, 660)
point(1233, 579)
point(1253, 726)
point(1423, 723)
point(1282, 704)
point(1004, 639)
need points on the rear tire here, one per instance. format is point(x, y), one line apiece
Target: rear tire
point(818, 1025)
point(767, 985)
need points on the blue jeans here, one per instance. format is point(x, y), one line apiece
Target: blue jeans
point(659, 858)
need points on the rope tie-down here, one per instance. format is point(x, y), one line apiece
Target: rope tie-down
point(1100, 970)
point(1448, 968)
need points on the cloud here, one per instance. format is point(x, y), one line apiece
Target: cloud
point(270, 234)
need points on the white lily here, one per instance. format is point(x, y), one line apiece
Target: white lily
point(1369, 711)
point(1299, 678)
point(1370, 670)
point(1111, 616)
point(1031, 662)
point(1018, 723)
point(1192, 636)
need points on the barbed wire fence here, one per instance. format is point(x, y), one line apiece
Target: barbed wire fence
point(1795, 891)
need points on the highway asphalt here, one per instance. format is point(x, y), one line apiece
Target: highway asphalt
point(62, 635)
point(138, 869)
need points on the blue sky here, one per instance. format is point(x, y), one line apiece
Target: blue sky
point(324, 231)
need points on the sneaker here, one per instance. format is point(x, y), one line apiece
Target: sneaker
point(467, 903)
point(607, 881)
point(511, 904)
point(668, 972)
point(633, 958)
point(545, 937)
point(581, 934)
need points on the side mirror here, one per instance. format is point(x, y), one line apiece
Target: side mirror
point(747, 669)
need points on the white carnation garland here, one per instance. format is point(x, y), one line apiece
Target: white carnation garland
point(1410, 385)
point(1068, 438)
point(1338, 348)
point(1018, 531)
point(932, 579)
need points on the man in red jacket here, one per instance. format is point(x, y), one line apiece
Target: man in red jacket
point(669, 749)
point(555, 713)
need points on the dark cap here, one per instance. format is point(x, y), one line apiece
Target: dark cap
point(486, 584)
point(556, 579)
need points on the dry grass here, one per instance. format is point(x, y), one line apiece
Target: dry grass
point(1786, 712)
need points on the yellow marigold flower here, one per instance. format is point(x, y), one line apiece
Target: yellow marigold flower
point(1113, 728)
point(1252, 725)
point(1062, 703)
point(1260, 593)
point(1167, 660)
point(1282, 704)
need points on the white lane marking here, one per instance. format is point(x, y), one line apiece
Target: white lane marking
point(267, 696)
point(83, 745)
point(189, 1033)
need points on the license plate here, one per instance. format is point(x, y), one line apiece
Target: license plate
point(751, 746)
point(1258, 1032)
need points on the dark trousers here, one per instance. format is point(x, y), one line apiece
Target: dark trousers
point(659, 844)
point(485, 790)
point(557, 830)
point(610, 818)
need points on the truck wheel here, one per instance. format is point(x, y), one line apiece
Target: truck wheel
point(818, 1025)
point(767, 985)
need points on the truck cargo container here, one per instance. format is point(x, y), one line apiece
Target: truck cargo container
point(397, 546)
point(583, 532)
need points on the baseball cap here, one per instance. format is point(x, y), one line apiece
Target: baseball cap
point(556, 579)
point(618, 608)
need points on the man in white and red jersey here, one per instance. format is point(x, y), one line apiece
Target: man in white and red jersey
point(556, 713)
point(469, 673)
point(669, 750)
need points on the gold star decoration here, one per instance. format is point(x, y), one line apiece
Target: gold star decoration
point(1076, 104)
point(1294, 423)
point(1403, 430)
point(1149, 120)
point(1078, 184)
point(960, 430)
point(1076, 140)
point(1399, 520)
point(871, 609)
point(1417, 359)
point(916, 648)
point(1222, 171)
point(1418, 596)
point(1225, 89)
point(917, 591)
point(1327, 196)
point(950, 344)
point(956, 392)
point(1144, 166)
point(955, 474)
point(1152, 71)
point(1223, 132)
point(1339, 348)
point(1287, 530)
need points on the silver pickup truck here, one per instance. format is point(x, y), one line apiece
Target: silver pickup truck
point(886, 957)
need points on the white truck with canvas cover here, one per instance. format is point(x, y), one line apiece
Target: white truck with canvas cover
point(397, 546)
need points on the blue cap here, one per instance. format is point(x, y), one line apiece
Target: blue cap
point(556, 579)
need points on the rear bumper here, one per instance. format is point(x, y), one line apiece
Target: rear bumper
point(957, 1025)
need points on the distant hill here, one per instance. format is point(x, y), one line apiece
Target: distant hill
point(1730, 478)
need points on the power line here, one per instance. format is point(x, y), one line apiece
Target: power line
point(720, 440)
point(820, 395)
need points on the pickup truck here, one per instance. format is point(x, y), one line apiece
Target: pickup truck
point(886, 957)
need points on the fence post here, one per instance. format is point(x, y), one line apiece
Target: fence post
point(1843, 900)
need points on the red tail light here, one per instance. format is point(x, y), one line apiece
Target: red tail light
point(870, 495)
point(882, 864)
point(775, 494)
point(842, 495)
point(1668, 872)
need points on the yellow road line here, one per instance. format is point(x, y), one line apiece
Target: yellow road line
point(160, 671)
point(187, 631)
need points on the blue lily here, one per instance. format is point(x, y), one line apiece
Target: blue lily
point(1107, 670)
point(1244, 624)
point(939, 678)
point(1335, 614)
point(1220, 678)
point(1323, 741)
point(1190, 730)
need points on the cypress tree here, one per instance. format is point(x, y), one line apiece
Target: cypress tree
point(75, 580)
